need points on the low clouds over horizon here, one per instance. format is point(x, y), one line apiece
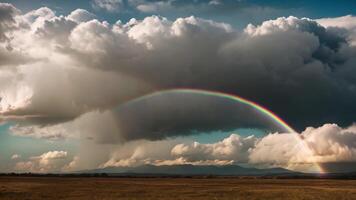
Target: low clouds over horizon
point(59, 74)
point(320, 146)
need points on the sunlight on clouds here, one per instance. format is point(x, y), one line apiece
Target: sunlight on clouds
point(59, 75)
point(50, 161)
point(334, 144)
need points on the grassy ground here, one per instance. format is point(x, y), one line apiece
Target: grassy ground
point(28, 188)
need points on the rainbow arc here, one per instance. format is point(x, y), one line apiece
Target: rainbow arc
point(263, 110)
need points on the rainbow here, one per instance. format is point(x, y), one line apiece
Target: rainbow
point(279, 121)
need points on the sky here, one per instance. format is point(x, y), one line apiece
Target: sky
point(238, 13)
point(103, 83)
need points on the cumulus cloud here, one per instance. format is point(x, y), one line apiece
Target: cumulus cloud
point(331, 143)
point(347, 22)
point(47, 162)
point(72, 165)
point(81, 15)
point(328, 143)
point(8, 24)
point(313, 57)
point(306, 151)
point(233, 148)
point(290, 54)
point(7, 20)
point(140, 152)
point(302, 152)
point(60, 73)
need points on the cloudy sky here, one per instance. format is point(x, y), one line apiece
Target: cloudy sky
point(99, 83)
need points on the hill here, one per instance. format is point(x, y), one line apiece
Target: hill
point(226, 170)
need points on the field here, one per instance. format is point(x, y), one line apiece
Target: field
point(28, 188)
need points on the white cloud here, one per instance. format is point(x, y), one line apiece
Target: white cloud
point(52, 161)
point(183, 161)
point(73, 165)
point(347, 21)
point(36, 18)
point(281, 24)
point(153, 7)
point(81, 15)
point(15, 157)
point(108, 5)
point(68, 70)
point(301, 152)
point(80, 55)
point(140, 152)
point(328, 143)
point(233, 148)
point(215, 2)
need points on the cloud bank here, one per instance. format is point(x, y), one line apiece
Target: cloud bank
point(326, 144)
point(59, 74)
point(88, 65)
point(47, 162)
point(305, 151)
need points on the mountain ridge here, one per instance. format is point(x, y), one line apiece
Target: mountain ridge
point(188, 169)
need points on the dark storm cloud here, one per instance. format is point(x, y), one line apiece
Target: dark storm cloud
point(293, 66)
point(81, 72)
point(180, 113)
point(297, 68)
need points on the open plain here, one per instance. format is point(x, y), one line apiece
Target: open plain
point(87, 188)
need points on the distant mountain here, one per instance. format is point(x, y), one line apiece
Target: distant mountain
point(339, 167)
point(233, 170)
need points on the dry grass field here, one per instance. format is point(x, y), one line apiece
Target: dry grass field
point(30, 188)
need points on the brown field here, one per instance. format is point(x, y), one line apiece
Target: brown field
point(28, 188)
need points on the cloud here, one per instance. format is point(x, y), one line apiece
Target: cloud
point(8, 24)
point(15, 157)
point(7, 20)
point(215, 2)
point(312, 64)
point(302, 152)
point(56, 29)
point(69, 76)
point(154, 7)
point(108, 5)
point(81, 15)
point(75, 69)
point(49, 133)
point(326, 144)
point(347, 21)
point(179, 113)
point(72, 165)
point(82, 90)
point(161, 116)
point(47, 162)
point(233, 148)
point(331, 143)
point(140, 152)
